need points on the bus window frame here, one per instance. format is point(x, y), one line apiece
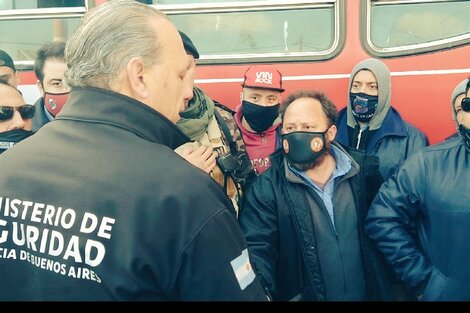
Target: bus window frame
point(43, 14)
point(255, 6)
point(405, 50)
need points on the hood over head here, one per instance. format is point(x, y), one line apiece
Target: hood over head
point(460, 89)
point(382, 75)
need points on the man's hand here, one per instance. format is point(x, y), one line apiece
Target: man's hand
point(202, 157)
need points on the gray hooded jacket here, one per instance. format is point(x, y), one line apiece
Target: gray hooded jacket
point(389, 137)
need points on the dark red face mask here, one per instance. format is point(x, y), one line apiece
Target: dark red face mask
point(54, 102)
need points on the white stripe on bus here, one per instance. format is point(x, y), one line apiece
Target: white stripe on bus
point(31, 93)
point(339, 76)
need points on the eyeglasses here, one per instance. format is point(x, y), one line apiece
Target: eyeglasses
point(26, 111)
point(466, 104)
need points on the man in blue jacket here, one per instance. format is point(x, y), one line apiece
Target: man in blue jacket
point(103, 208)
point(420, 218)
point(370, 123)
point(303, 218)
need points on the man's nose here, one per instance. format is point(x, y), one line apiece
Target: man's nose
point(363, 88)
point(16, 122)
point(265, 102)
point(188, 92)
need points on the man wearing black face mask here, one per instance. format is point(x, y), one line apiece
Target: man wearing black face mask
point(50, 68)
point(303, 218)
point(371, 124)
point(420, 218)
point(258, 114)
point(15, 117)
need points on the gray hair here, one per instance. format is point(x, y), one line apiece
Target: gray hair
point(107, 38)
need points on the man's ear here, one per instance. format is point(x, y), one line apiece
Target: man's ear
point(135, 71)
point(41, 88)
point(331, 133)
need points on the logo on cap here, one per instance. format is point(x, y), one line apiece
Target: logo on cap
point(263, 76)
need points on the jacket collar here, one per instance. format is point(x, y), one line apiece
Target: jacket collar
point(102, 106)
point(392, 125)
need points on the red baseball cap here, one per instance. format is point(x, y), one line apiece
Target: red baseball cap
point(263, 76)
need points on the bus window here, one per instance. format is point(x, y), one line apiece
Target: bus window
point(410, 27)
point(26, 25)
point(40, 31)
point(36, 4)
point(189, 1)
point(60, 3)
point(258, 31)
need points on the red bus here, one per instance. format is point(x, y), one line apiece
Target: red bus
point(315, 44)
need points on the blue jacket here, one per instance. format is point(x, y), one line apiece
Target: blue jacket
point(420, 220)
point(277, 222)
point(393, 142)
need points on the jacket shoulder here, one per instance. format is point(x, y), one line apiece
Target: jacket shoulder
point(414, 130)
point(223, 108)
point(39, 119)
point(236, 142)
point(445, 145)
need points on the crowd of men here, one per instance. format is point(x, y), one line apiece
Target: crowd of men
point(126, 181)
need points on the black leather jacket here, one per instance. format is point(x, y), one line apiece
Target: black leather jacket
point(420, 220)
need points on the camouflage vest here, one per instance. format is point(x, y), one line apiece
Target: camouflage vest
point(233, 170)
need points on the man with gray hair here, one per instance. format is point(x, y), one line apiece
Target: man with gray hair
point(102, 209)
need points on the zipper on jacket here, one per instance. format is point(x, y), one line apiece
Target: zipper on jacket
point(323, 208)
point(359, 138)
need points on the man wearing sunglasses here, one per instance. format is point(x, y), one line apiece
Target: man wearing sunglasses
point(420, 219)
point(15, 117)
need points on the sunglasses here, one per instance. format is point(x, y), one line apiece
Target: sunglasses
point(26, 111)
point(466, 104)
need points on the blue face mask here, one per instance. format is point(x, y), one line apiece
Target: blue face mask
point(363, 106)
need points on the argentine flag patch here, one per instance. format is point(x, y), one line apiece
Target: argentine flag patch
point(243, 270)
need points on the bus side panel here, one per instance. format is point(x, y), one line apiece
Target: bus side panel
point(421, 84)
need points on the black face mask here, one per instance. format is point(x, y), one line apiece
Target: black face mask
point(259, 117)
point(363, 106)
point(465, 133)
point(303, 147)
point(9, 138)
